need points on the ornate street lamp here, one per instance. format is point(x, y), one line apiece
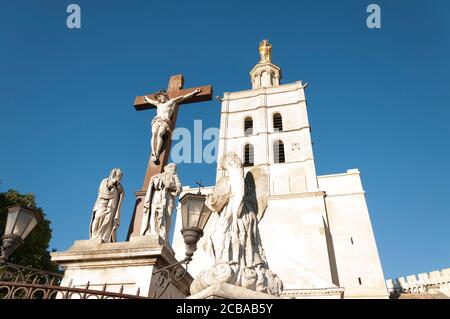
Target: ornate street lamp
point(19, 223)
point(194, 216)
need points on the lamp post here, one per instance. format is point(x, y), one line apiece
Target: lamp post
point(19, 223)
point(194, 216)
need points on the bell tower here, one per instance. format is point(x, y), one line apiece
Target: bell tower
point(268, 127)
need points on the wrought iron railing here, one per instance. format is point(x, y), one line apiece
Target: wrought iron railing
point(167, 276)
point(20, 290)
point(16, 273)
point(19, 282)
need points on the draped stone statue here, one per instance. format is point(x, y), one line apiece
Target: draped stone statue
point(236, 244)
point(105, 218)
point(159, 202)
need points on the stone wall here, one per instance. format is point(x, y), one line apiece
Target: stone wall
point(351, 236)
point(434, 282)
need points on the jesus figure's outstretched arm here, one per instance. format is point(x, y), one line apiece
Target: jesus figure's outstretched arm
point(151, 101)
point(187, 96)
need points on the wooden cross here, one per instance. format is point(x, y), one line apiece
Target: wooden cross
point(174, 89)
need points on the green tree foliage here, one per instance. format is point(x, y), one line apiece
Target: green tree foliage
point(34, 251)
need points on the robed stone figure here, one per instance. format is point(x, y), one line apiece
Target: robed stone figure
point(159, 202)
point(105, 218)
point(235, 242)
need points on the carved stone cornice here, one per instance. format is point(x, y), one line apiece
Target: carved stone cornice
point(297, 195)
point(314, 293)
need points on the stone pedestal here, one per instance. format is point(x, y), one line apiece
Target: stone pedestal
point(127, 266)
point(265, 74)
point(227, 291)
point(323, 293)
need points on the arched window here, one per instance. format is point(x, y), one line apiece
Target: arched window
point(278, 152)
point(277, 122)
point(248, 126)
point(266, 79)
point(249, 158)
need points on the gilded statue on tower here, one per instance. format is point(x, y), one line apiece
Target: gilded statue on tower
point(265, 52)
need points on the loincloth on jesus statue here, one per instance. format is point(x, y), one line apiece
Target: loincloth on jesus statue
point(157, 122)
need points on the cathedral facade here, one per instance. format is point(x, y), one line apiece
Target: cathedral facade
point(316, 230)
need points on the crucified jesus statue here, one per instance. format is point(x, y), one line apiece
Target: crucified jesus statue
point(161, 123)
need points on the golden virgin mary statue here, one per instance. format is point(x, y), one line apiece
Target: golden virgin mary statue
point(265, 52)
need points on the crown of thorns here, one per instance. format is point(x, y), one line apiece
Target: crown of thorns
point(161, 92)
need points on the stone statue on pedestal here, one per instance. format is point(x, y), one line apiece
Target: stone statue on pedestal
point(235, 242)
point(162, 121)
point(105, 218)
point(159, 202)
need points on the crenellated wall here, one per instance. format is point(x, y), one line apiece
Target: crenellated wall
point(421, 283)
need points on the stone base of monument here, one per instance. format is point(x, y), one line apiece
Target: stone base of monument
point(320, 293)
point(127, 267)
point(227, 291)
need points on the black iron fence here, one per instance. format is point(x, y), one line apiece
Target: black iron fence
point(20, 290)
point(18, 282)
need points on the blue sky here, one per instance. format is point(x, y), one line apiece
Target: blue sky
point(378, 101)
